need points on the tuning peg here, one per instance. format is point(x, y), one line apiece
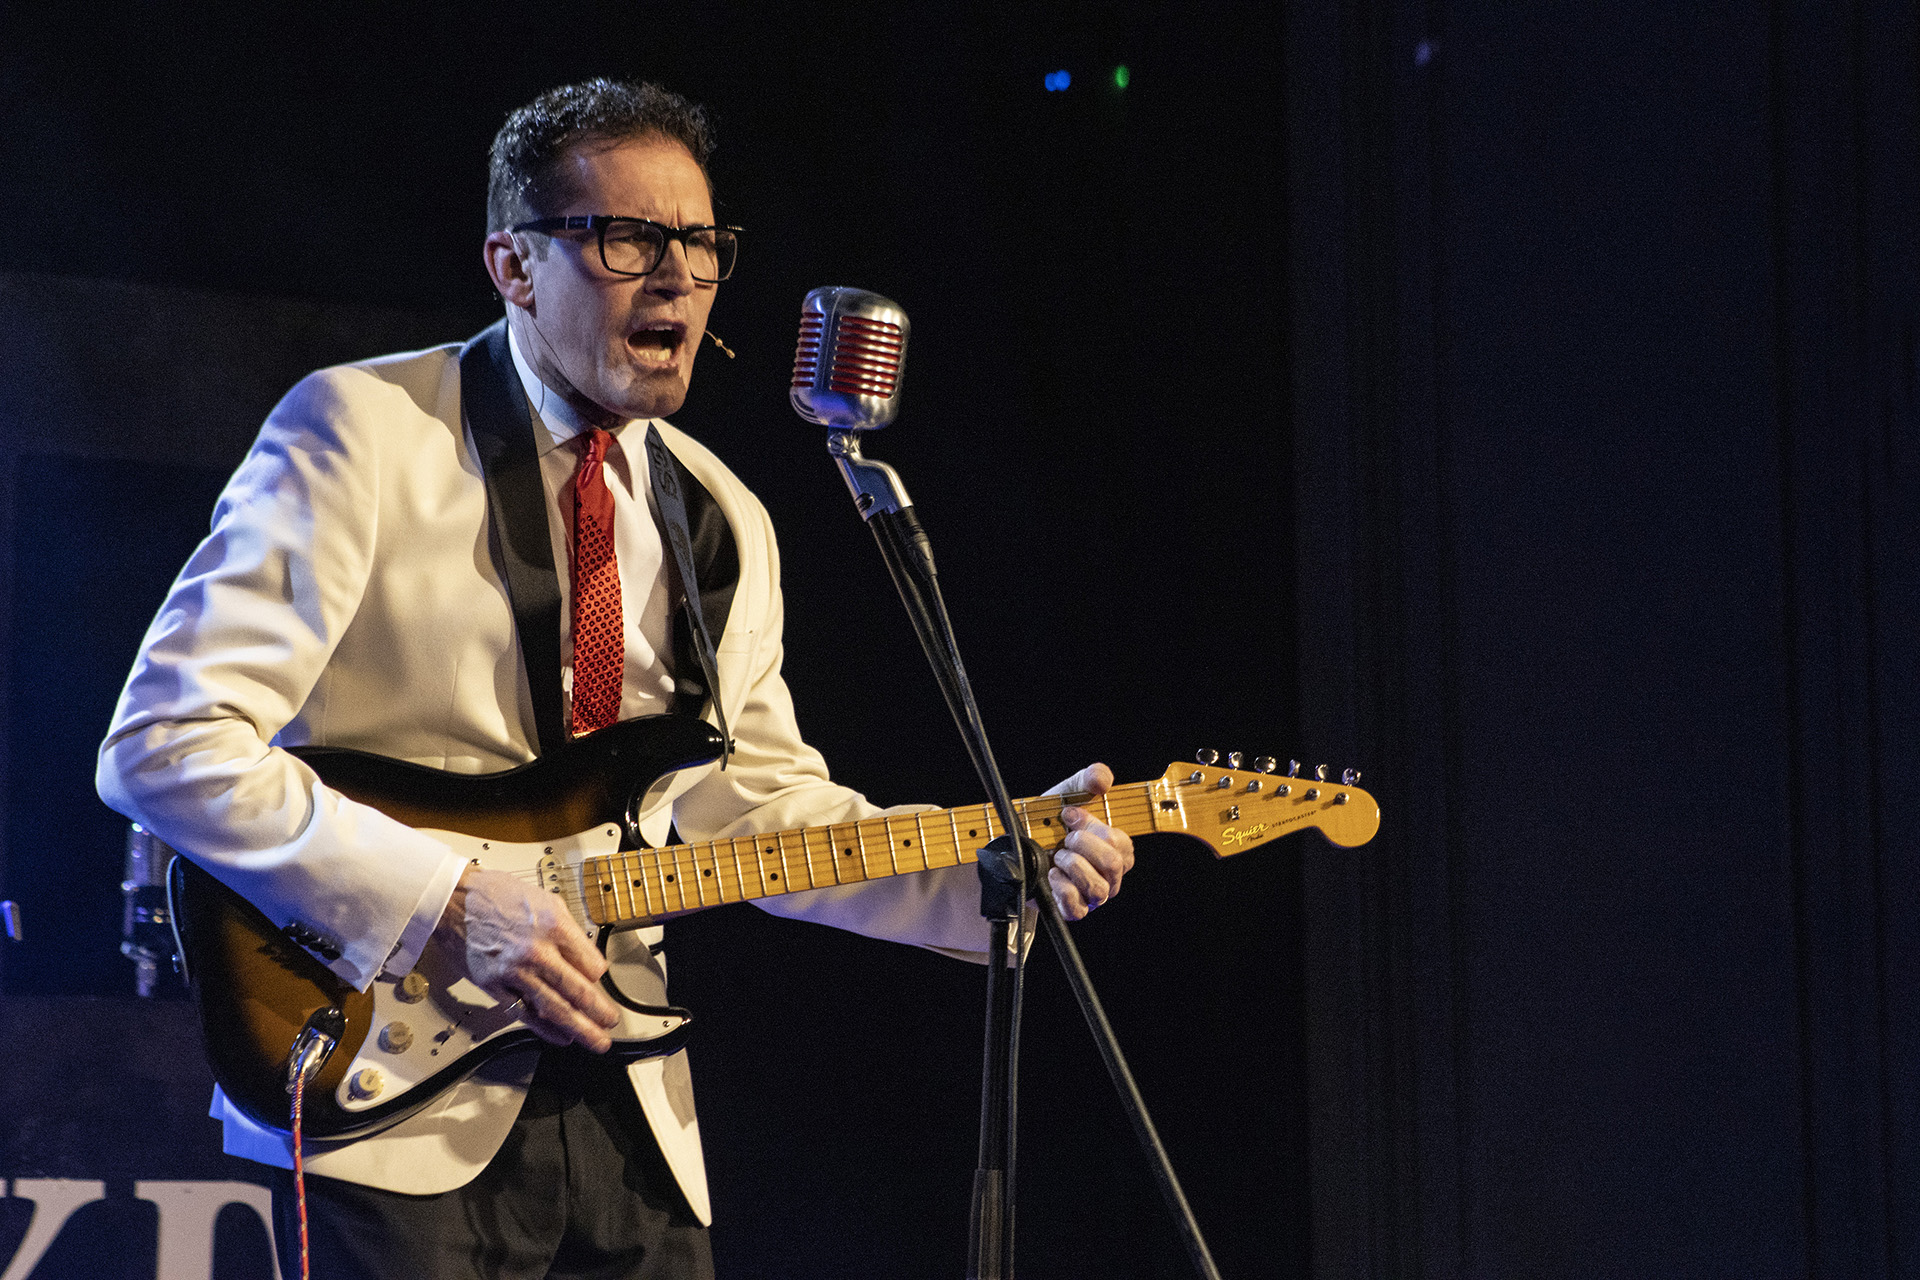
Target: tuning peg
point(1320, 772)
point(1265, 764)
point(1349, 776)
point(1207, 755)
point(1233, 759)
point(1293, 768)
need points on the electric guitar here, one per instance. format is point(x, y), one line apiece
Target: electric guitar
point(568, 822)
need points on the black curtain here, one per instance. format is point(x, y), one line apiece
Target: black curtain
point(1604, 399)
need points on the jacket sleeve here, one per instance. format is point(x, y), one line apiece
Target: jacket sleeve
point(775, 781)
point(245, 633)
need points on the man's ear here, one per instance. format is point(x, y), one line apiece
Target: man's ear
point(508, 269)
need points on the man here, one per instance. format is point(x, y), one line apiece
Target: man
point(351, 594)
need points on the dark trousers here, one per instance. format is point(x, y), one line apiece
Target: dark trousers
point(579, 1190)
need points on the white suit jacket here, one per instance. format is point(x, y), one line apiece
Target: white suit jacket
point(347, 596)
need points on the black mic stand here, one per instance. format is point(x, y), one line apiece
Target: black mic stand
point(1008, 866)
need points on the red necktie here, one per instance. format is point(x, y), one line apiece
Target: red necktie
point(599, 634)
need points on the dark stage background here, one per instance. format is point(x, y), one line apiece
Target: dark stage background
point(1516, 402)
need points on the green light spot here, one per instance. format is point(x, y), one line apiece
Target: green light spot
point(1120, 76)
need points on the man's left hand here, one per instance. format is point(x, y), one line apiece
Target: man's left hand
point(1087, 868)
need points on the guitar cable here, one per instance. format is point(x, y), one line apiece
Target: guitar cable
point(310, 1049)
point(300, 1169)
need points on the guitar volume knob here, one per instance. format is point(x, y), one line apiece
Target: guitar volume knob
point(412, 988)
point(396, 1037)
point(366, 1083)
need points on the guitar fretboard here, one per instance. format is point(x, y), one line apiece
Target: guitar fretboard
point(639, 884)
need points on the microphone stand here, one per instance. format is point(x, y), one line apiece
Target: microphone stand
point(1007, 866)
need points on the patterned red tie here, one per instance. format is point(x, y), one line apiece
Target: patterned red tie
point(599, 634)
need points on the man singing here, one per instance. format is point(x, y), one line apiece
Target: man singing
point(352, 593)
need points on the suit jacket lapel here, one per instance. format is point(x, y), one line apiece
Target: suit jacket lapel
point(497, 413)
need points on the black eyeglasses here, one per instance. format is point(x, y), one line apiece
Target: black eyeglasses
point(635, 246)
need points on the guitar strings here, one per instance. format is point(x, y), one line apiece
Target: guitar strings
point(1140, 808)
point(1130, 806)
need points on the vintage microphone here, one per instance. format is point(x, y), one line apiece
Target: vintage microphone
point(848, 370)
point(851, 359)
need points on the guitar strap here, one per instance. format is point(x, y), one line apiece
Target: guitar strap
point(501, 420)
point(670, 485)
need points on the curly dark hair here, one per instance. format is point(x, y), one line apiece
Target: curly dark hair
point(524, 175)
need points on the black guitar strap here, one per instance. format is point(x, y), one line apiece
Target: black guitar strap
point(670, 482)
point(504, 438)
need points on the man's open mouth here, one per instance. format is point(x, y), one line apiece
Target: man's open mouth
point(656, 344)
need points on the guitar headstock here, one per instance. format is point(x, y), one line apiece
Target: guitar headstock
point(1234, 808)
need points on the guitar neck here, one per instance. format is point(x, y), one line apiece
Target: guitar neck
point(641, 884)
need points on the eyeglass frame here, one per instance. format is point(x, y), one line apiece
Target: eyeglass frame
point(599, 222)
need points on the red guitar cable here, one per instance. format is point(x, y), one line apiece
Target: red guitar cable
point(300, 1169)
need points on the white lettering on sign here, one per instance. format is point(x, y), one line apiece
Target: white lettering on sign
point(188, 1211)
point(54, 1200)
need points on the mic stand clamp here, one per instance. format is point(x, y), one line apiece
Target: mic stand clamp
point(876, 486)
point(1004, 876)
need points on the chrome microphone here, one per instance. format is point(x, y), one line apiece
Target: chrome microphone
point(852, 354)
point(846, 377)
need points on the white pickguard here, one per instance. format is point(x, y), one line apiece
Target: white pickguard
point(431, 1019)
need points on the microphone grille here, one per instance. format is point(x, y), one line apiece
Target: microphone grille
point(806, 357)
point(848, 363)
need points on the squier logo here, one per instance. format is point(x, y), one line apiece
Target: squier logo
point(1234, 837)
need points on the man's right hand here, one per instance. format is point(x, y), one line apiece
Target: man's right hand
point(517, 942)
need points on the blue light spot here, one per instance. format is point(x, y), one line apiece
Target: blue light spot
point(1058, 81)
